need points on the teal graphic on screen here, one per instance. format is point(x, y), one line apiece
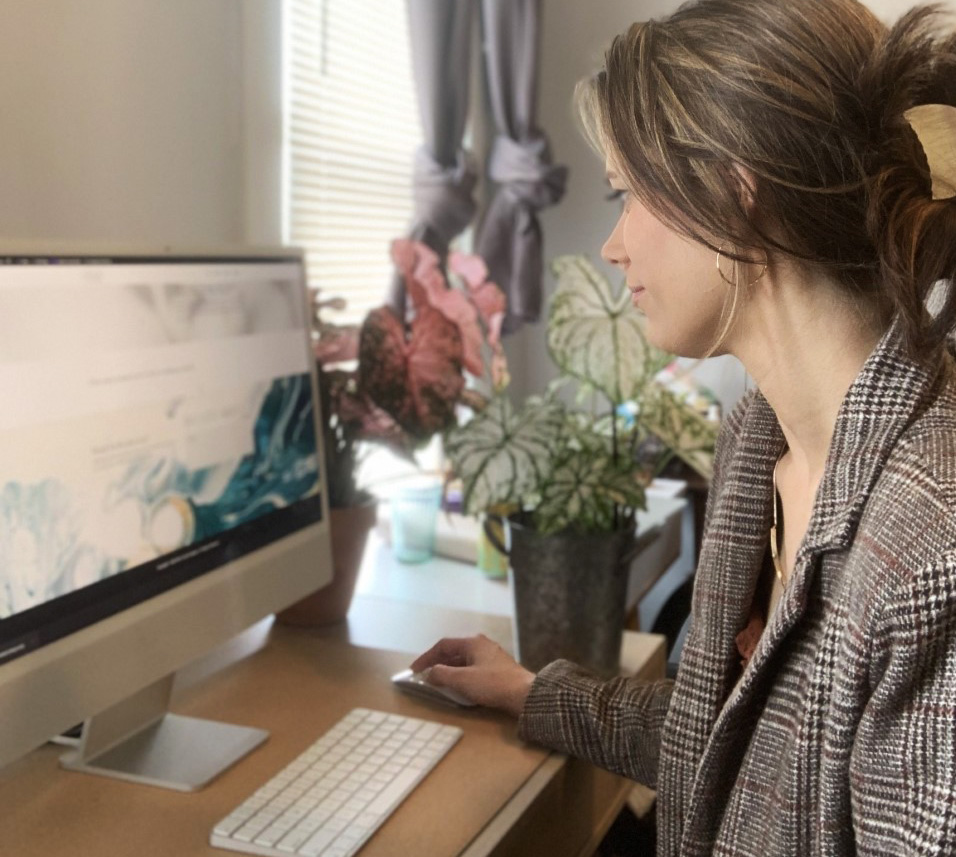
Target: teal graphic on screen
point(256, 453)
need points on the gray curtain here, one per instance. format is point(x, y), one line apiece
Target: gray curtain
point(520, 160)
point(519, 163)
point(444, 173)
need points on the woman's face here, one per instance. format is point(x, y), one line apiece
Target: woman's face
point(674, 281)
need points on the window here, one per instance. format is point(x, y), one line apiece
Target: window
point(352, 127)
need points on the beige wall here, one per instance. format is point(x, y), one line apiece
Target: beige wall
point(121, 120)
point(890, 10)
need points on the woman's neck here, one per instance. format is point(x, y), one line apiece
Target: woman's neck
point(804, 343)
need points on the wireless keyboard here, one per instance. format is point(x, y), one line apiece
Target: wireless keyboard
point(338, 792)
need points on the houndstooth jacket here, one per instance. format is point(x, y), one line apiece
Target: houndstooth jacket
point(840, 737)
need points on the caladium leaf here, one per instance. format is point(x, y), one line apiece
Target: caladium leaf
point(460, 311)
point(369, 420)
point(502, 456)
point(589, 434)
point(413, 258)
point(686, 432)
point(595, 334)
point(588, 493)
point(485, 295)
point(418, 265)
point(491, 304)
point(426, 285)
point(472, 269)
point(417, 379)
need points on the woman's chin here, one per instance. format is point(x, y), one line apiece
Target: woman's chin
point(664, 340)
point(700, 338)
point(694, 348)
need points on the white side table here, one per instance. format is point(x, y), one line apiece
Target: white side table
point(451, 583)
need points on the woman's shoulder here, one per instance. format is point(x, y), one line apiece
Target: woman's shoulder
point(914, 495)
point(735, 419)
point(926, 449)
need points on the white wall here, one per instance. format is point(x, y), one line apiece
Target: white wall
point(262, 121)
point(890, 10)
point(121, 121)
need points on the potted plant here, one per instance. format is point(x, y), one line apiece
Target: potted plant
point(574, 474)
point(396, 381)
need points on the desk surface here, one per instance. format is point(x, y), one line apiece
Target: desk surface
point(296, 685)
point(490, 795)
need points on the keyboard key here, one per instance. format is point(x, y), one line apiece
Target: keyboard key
point(396, 789)
point(317, 843)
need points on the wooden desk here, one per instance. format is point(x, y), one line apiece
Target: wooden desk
point(492, 795)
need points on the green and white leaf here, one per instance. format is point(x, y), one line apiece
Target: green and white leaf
point(595, 335)
point(502, 456)
point(684, 430)
point(586, 493)
point(561, 463)
point(599, 432)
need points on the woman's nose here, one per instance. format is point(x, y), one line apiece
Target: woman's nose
point(613, 249)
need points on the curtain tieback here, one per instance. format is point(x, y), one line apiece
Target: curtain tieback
point(443, 194)
point(525, 170)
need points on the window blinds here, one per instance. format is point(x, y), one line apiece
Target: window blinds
point(351, 130)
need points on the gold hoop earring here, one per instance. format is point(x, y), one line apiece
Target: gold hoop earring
point(734, 282)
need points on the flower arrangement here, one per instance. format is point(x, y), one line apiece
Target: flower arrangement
point(398, 381)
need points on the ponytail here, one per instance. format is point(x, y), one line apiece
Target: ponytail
point(911, 214)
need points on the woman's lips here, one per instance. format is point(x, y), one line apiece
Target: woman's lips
point(636, 292)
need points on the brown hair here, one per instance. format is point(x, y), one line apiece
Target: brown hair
point(807, 96)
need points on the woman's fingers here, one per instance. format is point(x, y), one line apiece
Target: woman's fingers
point(478, 668)
point(452, 651)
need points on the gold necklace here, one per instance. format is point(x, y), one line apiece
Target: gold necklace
point(774, 548)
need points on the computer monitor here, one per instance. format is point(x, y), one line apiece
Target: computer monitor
point(160, 491)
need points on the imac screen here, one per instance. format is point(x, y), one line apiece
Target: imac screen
point(158, 421)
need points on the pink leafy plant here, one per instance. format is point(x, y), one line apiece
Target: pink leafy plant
point(397, 380)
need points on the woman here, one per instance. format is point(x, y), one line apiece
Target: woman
point(779, 206)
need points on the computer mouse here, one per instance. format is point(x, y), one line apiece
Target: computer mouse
point(417, 684)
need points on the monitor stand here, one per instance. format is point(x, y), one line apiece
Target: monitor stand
point(140, 741)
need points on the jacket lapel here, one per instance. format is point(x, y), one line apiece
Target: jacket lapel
point(739, 516)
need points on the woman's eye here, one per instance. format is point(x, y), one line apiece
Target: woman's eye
point(620, 195)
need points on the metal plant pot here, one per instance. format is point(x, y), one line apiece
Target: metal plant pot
point(569, 594)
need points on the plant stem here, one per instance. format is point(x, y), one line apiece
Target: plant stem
point(664, 461)
point(614, 457)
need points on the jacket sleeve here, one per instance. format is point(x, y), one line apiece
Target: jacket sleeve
point(616, 724)
point(903, 759)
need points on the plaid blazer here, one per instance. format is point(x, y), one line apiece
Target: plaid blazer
point(840, 737)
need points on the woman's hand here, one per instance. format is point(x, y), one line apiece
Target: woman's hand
point(478, 668)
